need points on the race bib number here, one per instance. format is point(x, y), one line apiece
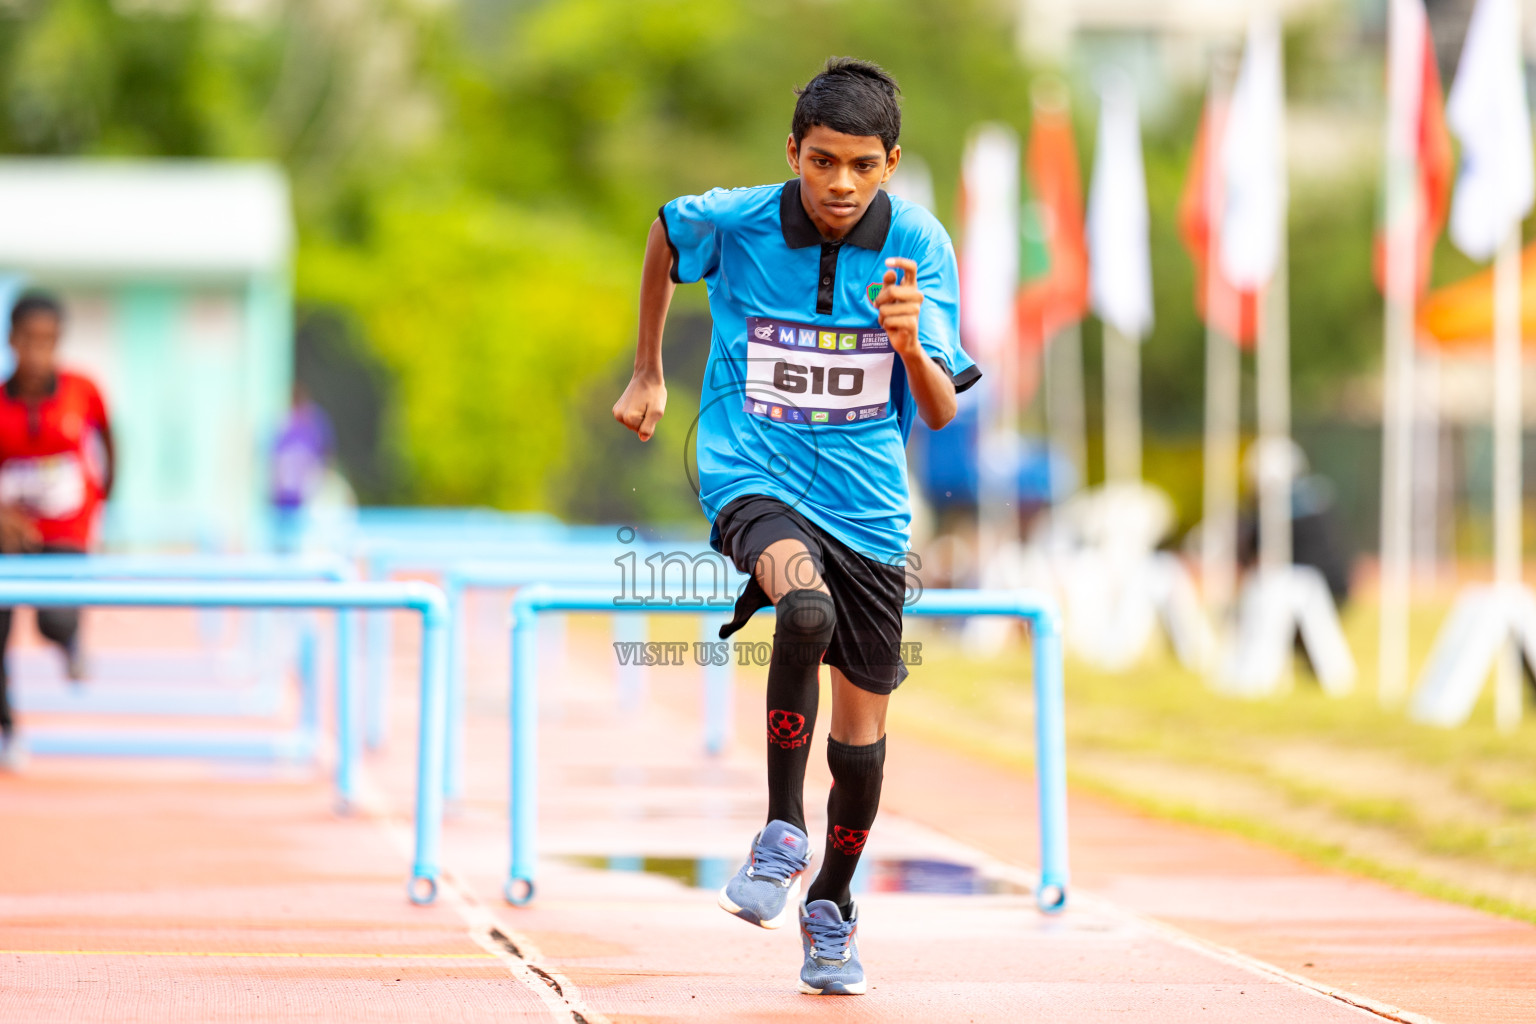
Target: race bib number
point(50, 487)
point(824, 376)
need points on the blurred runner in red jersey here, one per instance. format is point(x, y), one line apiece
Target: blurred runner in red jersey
point(56, 468)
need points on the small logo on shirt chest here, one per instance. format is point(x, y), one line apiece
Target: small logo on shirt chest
point(874, 290)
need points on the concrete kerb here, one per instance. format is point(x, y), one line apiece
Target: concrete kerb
point(1037, 610)
point(423, 598)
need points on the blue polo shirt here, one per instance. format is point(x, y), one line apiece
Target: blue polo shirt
point(804, 400)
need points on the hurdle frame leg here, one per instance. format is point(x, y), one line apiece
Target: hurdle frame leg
point(524, 713)
point(1050, 738)
point(429, 756)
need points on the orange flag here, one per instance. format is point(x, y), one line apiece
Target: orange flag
point(1237, 311)
point(1054, 260)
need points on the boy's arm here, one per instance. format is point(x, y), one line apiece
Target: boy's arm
point(929, 382)
point(645, 400)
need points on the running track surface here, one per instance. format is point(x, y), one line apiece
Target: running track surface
point(167, 892)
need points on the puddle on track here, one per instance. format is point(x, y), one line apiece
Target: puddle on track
point(910, 875)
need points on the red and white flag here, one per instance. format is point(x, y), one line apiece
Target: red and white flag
point(1416, 134)
point(1219, 302)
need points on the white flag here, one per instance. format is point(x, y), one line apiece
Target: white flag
point(1253, 162)
point(989, 257)
point(1487, 113)
point(1120, 262)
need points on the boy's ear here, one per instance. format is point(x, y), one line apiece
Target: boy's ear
point(892, 159)
point(792, 154)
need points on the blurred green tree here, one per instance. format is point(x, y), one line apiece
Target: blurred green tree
point(473, 182)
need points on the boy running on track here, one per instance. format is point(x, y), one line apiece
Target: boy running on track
point(55, 470)
point(836, 321)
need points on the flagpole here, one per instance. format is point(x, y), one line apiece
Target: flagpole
point(1407, 34)
point(1122, 407)
point(1506, 464)
point(1218, 529)
point(1064, 398)
point(1274, 414)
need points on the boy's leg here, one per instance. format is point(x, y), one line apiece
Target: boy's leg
point(61, 626)
point(856, 756)
point(801, 633)
point(7, 721)
point(764, 891)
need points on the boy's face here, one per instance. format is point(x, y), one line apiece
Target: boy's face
point(35, 341)
point(839, 175)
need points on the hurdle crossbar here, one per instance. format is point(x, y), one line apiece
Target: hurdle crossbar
point(228, 568)
point(1037, 610)
point(423, 598)
point(483, 575)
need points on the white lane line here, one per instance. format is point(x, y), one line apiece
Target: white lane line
point(1216, 951)
point(515, 952)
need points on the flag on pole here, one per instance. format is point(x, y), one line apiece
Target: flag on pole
point(989, 254)
point(1416, 116)
point(1253, 162)
point(1118, 247)
point(1054, 251)
point(1236, 315)
point(1487, 112)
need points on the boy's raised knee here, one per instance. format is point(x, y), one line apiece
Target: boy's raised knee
point(806, 621)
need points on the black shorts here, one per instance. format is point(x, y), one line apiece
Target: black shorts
point(867, 595)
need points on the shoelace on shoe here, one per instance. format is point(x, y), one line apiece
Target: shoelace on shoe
point(829, 938)
point(774, 863)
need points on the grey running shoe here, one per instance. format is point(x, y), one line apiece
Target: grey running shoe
point(766, 889)
point(13, 754)
point(831, 953)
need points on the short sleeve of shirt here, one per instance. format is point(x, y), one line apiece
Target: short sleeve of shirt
point(938, 322)
point(693, 232)
point(95, 408)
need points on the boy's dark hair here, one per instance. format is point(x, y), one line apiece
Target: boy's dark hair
point(851, 96)
point(32, 303)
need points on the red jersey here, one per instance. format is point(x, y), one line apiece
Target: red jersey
point(52, 459)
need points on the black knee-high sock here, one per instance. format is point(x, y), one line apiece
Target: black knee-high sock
point(806, 619)
point(856, 776)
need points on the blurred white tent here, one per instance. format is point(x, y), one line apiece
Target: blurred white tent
point(176, 283)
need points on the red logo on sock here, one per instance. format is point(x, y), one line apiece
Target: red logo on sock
point(785, 728)
point(848, 840)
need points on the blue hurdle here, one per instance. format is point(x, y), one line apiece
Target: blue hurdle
point(228, 568)
point(458, 579)
point(423, 598)
point(1050, 739)
point(434, 551)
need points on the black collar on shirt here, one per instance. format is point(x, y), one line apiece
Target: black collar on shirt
point(800, 232)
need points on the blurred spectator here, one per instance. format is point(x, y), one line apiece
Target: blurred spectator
point(1315, 532)
point(56, 468)
point(301, 460)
